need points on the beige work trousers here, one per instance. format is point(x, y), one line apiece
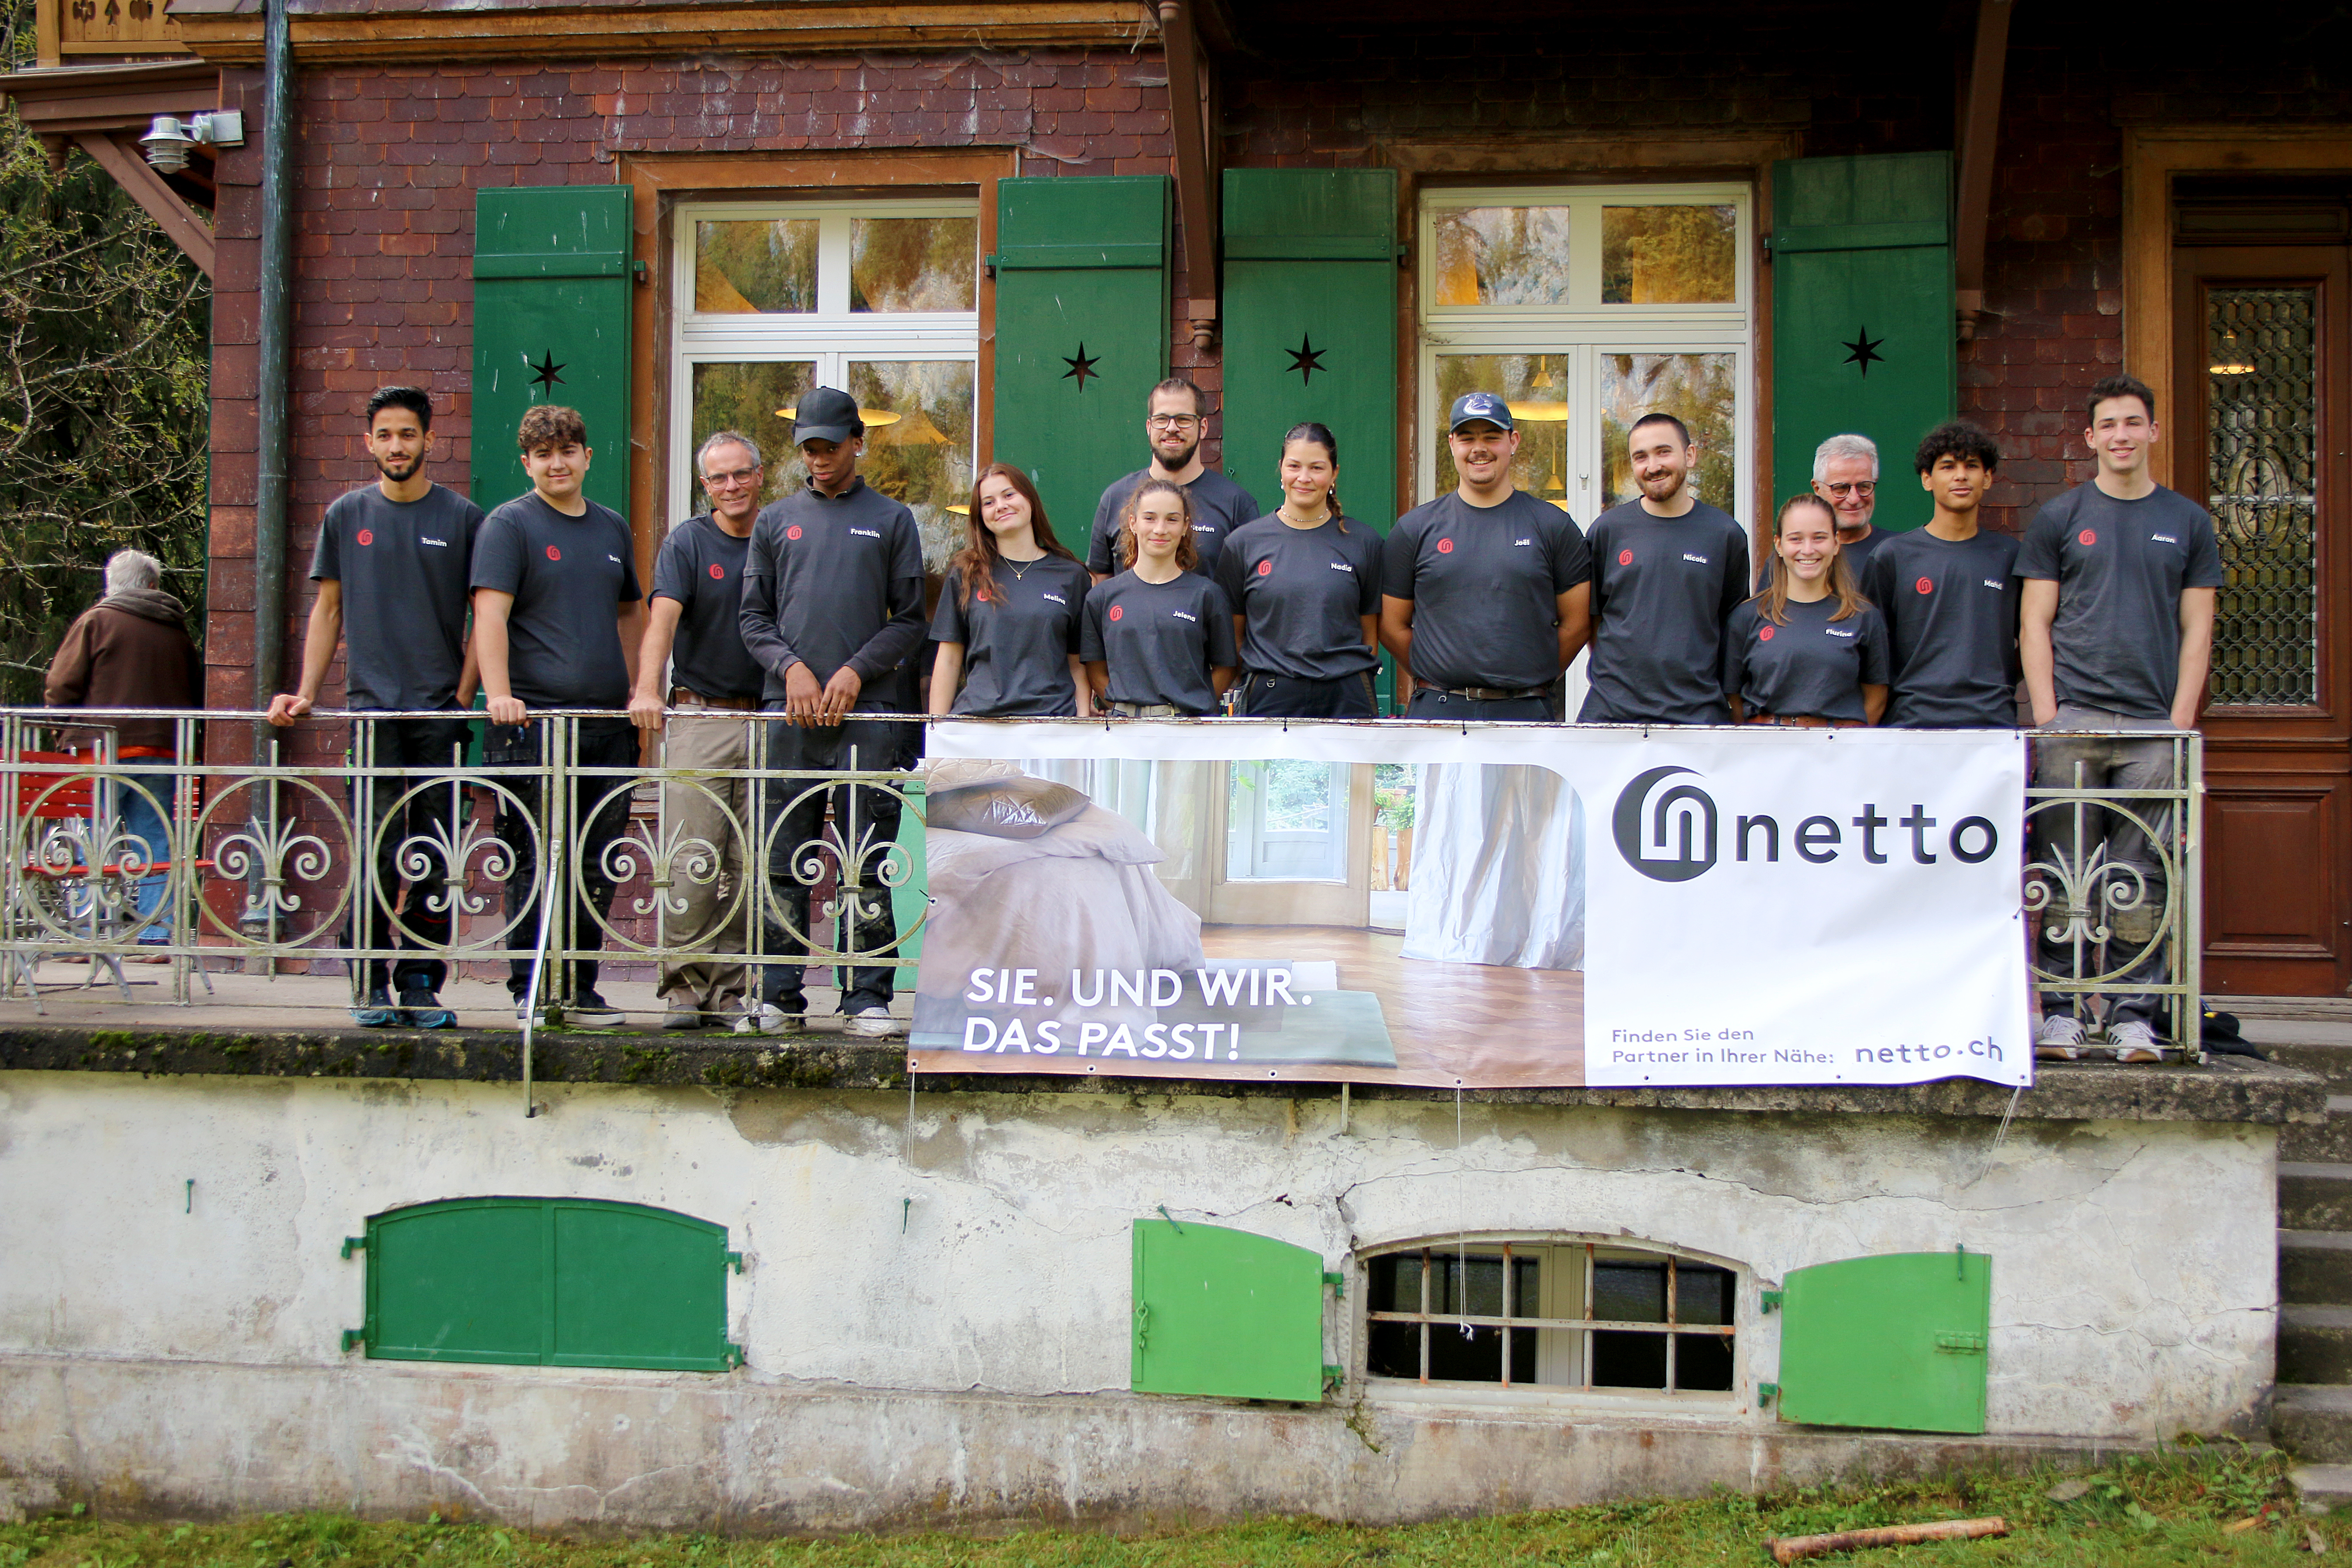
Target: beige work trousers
point(718, 911)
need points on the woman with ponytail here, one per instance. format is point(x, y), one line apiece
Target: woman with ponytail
point(1157, 639)
point(1304, 584)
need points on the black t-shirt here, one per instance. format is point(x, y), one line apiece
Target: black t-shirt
point(1302, 594)
point(1018, 636)
point(569, 577)
point(404, 567)
point(1857, 553)
point(1160, 640)
point(833, 580)
point(1812, 664)
point(1219, 507)
point(701, 567)
point(1662, 589)
point(2120, 566)
point(1485, 584)
point(1951, 617)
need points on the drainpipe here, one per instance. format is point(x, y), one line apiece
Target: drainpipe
point(275, 353)
point(1188, 125)
point(1979, 132)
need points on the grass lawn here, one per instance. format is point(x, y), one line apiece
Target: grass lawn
point(2173, 1508)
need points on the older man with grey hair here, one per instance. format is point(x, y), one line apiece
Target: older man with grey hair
point(693, 659)
point(1846, 475)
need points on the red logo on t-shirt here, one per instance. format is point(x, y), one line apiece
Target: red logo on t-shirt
point(1115, 612)
point(367, 536)
point(1266, 568)
point(793, 531)
point(718, 573)
point(1925, 585)
point(1764, 636)
point(2087, 537)
point(553, 553)
point(1625, 558)
point(1445, 547)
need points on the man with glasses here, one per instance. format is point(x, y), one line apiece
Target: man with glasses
point(695, 634)
point(1172, 424)
point(1846, 475)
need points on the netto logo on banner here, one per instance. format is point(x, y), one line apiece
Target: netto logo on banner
point(1670, 833)
point(1683, 816)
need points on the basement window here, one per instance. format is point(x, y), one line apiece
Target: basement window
point(1555, 1315)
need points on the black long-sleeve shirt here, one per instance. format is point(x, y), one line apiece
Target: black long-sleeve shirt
point(832, 581)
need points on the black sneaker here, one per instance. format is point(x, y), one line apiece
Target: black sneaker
point(424, 1009)
point(593, 1012)
point(377, 1012)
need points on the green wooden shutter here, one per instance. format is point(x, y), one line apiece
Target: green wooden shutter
point(1896, 1341)
point(1081, 272)
point(1225, 1312)
point(1862, 322)
point(1311, 313)
point(552, 282)
point(547, 1281)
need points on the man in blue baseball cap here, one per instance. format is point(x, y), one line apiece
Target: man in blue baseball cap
point(1484, 591)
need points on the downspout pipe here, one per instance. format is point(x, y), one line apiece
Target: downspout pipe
point(275, 352)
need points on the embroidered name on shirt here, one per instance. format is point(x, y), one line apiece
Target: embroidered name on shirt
point(1700, 559)
point(613, 559)
point(2163, 539)
point(1184, 615)
point(1053, 598)
point(1995, 584)
point(867, 532)
point(1517, 543)
point(1336, 566)
point(421, 538)
point(1835, 633)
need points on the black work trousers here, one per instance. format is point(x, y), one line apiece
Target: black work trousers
point(865, 830)
point(596, 814)
point(414, 833)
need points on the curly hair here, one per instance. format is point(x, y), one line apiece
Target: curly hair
point(550, 425)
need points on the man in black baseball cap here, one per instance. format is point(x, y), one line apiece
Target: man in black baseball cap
point(1484, 591)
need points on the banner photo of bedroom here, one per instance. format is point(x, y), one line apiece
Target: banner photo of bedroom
point(1481, 908)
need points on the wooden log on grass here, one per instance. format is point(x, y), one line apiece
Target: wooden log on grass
point(1790, 1548)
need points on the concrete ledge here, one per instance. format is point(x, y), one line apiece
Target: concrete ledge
point(2231, 1089)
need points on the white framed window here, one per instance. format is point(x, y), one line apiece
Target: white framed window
point(878, 298)
point(1548, 1316)
point(1585, 307)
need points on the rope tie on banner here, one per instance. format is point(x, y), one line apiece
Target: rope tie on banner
point(2001, 1134)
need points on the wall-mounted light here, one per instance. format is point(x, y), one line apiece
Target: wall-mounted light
point(168, 140)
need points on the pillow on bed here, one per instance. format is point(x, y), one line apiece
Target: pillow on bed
point(1019, 807)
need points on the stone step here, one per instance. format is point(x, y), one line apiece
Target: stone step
point(2322, 1487)
point(2314, 1343)
point(2321, 1048)
point(2323, 1141)
point(2316, 1267)
point(2314, 1196)
point(2312, 1421)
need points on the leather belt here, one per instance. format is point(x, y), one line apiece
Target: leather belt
point(679, 697)
point(1148, 710)
point(1804, 721)
point(1487, 693)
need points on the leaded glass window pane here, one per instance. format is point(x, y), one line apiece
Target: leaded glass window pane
point(2262, 403)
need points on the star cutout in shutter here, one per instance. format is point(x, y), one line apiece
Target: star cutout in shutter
point(1081, 367)
point(545, 372)
point(1863, 350)
point(1307, 358)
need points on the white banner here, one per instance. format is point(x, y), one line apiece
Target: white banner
point(1549, 906)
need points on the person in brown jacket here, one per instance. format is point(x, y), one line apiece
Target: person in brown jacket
point(132, 649)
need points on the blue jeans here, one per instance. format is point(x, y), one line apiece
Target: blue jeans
point(141, 820)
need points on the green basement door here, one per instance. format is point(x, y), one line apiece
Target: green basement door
point(1897, 1341)
point(1221, 1311)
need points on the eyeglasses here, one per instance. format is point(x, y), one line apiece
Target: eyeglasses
point(1861, 488)
point(1173, 421)
point(731, 481)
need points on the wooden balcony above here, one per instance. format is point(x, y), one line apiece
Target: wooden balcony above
point(87, 32)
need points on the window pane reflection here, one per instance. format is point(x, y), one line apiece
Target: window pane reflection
point(924, 458)
point(914, 264)
point(1698, 389)
point(1668, 255)
point(1502, 255)
point(1535, 385)
point(745, 397)
point(763, 267)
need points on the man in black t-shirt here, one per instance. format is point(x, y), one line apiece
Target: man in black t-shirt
point(1667, 571)
point(832, 611)
point(1483, 592)
point(1173, 421)
point(2115, 634)
point(558, 618)
point(1949, 595)
point(694, 632)
point(391, 562)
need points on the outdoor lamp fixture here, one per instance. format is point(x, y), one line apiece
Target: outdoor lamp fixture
point(168, 140)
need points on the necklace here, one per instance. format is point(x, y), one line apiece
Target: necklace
point(1300, 521)
point(1019, 568)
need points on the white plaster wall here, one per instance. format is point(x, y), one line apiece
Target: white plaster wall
point(2134, 1280)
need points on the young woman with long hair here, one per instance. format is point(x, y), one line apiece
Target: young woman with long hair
point(1305, 590)
point(1808, 650)
point(1157, 639)
point(1007, 625)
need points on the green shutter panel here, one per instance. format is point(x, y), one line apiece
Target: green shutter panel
point(1862, 322)
point(1311, 313)
point(1225, 1312)
point(547, 1281)
point(1081, 272)
point(1896, 1341)
point(552, 282)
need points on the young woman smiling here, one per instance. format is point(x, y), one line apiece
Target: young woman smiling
point(1159, 637)
point(1809, 649)
point(1007, 625)
point(1306, 591)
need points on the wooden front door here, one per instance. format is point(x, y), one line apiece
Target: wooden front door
point(2262, 349)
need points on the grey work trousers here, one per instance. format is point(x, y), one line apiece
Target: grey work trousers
point(718, 900)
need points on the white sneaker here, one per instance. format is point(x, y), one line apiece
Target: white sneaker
point(874, 1023)
point(767, 1018)
point(2133, 1042)
point(2060, 1039)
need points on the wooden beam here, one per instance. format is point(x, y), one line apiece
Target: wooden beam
point(1979, 134)
point(70, 99)
point(147, 188)
point(49, 48)
point(1195, 201)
